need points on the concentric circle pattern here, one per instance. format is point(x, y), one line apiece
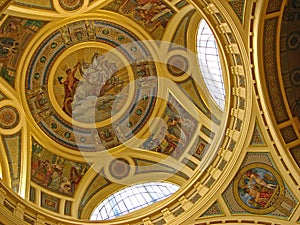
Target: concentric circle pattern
point(9, 117)
point(70, 5)
point(177, 65)
point(119, 168)
point(73, 103)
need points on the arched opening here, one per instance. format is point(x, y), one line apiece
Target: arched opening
point(209, 62)
point(132, 198)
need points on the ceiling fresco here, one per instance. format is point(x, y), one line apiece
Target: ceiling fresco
point(97, 95)
point(54, 172)
point(101, 103)
point(259, 189)
point(15, 35)
point(88, 77)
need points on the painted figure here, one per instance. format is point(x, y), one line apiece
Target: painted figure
point(255, 178)
point(70, 87)
point(258, 188)
point(261, 198)
point(96, 90)
point(55, 173)
point(151, 13)
point(173, 136)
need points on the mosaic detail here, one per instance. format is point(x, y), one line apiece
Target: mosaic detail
point(238, 7)
point(78, 91)
point(271, 73)
point(119, 168)
point(274, 6)
point(50, 202)
point(70, 5)
point(295, 151)
point(214, 210)
point(288, 134)
point(259, 189)
point(54, 172)
point(9, 117)
point(38, 4)
point(257, 137)
point(177, 65)
point(15, 34)
point(199, 149)
point(153, 15)
point(12, 145)
point(179, 39)
point(88, 91)
point(172, 136)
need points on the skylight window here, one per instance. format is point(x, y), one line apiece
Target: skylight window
point(209, 61)
point(132, 198)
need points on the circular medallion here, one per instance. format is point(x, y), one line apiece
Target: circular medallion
point(177, 65)
point(9, 117)
point(70, 4)
point(293, 41)
point(86, 85)
point(119, 168)
point(79, 82)
point(295, 77)
point(258, 188)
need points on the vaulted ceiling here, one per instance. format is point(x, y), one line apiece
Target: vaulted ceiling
point(99, 95)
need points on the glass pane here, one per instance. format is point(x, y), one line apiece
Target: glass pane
point(132, 198)
point(209, 61)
